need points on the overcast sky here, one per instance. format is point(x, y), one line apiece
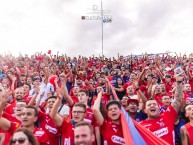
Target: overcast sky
point(137, 26)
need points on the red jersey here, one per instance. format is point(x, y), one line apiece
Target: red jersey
point(188, 97)
point(168, 85)
point(67, 131)
point(10, 109)
point(163, 126)
point(40, 135)
point(143, 89)
point(191, 84)
point(27, 98)
point(11, 118)
point(189, 129)
point(75, 99)
point(7, 134)
point(48, 125)
point(158, 98)
point(112, 133)
point(105, 99)
point(90, 117)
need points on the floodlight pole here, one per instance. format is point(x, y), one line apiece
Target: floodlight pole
point(102, 25)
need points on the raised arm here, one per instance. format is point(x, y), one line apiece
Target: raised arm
point(54, 112)
point(178, 93)
point(64, 90)
point(96, 109)
point(4, 123)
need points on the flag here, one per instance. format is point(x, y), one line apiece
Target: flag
point(133, 132)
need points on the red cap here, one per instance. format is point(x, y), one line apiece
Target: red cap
point(134, 101)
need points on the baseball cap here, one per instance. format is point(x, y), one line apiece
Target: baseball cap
point(134, 101)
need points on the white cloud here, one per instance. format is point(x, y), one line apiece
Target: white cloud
point(138, 26)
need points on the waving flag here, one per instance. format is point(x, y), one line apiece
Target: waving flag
point(133, 132)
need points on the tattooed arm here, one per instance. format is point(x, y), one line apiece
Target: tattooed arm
point(184, 136)
point(178, 93)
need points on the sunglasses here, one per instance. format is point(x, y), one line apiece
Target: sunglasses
point(19, 140)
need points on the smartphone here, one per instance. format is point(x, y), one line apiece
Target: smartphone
point(178, 71)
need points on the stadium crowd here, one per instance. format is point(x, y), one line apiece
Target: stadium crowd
point(55, 99)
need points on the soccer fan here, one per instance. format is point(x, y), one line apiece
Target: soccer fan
point(28, 118)
point(134, 111)
point(83, 134)
point(157, 94)
point(65, 126)
point(168, 81)
point(163, 125)
point(187, 92)
point(114, 135)
point(24, 137)
point(83, 98)
point(45, 121)
point(166, 103)
point(26, 89)
point(187, 130)
point(124, 103)
point(80, 84)
point(18, 95)
point(118, 88)
point(105, 97)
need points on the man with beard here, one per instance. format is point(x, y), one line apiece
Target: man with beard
point(83, 134)
point(18, 95)
point(162, 125)
point(166, 103)
point(188, 96)
point(80, 84)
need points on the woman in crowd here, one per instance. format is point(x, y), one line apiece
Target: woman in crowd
point(22, 136)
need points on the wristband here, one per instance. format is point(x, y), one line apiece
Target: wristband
point(137, 89)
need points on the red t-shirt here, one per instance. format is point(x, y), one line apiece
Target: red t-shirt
point(112, 133)
point(67, 131)
point(190, 132)
point(168, 85)
point(48, 125)
point(191, 84)
point(40, 134)
point(105, 99)
point(163, 126)
point(186, 96)
point(10, 109)
point(7, 134)
point(27, 98)
point(90, 117)
point(158, 98)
